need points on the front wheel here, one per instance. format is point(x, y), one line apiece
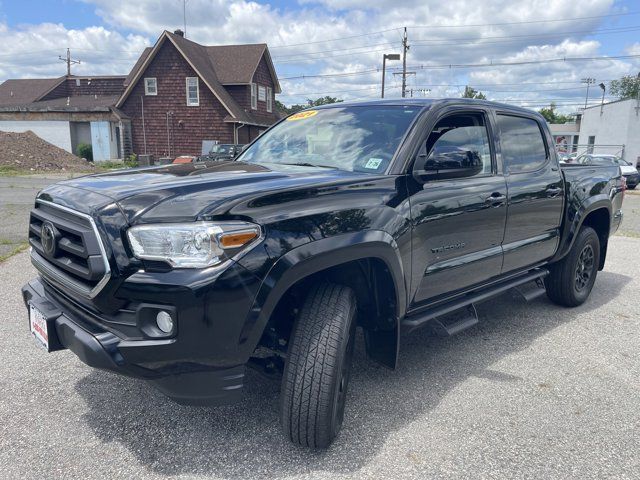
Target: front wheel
point(571, 279)
point(316, 375)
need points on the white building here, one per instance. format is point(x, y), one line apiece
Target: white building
point(612, 128)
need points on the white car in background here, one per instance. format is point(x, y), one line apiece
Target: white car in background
point(628, 171)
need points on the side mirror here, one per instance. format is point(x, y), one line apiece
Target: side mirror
point(455, 164)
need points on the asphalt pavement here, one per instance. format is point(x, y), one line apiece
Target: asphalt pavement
point(533, 391)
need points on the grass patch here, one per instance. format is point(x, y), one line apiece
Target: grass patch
point(9, 171)
point(627, 233)
point(20, 248)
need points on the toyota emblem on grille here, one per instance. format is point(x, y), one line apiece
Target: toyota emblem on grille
point(48, 238)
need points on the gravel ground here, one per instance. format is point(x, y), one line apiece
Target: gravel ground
point(16, 199)
point(533, 391)
point(631, 208)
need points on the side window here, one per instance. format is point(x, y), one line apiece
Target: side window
point(459, 146)
point(193, 93)
point(523, 147)
point(254, 96)
point(150, 86)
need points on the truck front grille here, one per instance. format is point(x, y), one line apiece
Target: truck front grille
point(67, 248)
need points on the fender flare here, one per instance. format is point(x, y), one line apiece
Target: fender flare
point(590, 205)
point(314, 257)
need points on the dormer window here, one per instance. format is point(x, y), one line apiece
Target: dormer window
point(150, 86)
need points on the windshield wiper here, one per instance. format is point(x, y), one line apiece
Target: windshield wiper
point(305, 164)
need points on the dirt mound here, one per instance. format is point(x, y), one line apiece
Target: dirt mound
point(27, 151)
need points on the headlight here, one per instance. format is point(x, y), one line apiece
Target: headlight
point(191, 245)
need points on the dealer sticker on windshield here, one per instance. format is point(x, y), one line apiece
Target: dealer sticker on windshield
point(373, 163)
point(302, 115)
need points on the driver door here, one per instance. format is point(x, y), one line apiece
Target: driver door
point(458, 206)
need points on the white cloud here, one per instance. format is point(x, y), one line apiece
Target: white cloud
point(457, 32)
point(33, 50)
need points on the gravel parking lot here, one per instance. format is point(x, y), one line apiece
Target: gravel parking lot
point(533, 391)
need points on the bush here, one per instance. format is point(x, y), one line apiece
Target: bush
point(131, 161)
point(85, 151)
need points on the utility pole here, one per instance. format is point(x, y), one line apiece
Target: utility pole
point(405, 47)
point(68, 61)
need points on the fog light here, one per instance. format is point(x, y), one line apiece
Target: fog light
point(164, 321)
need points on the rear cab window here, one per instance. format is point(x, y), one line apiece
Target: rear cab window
point(522, 143)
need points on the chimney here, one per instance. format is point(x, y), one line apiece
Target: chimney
point(179, 32)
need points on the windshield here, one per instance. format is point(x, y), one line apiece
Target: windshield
point(221, 148)
point(353, 138)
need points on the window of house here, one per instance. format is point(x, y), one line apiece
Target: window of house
point(269, 99)
point(254, 96)
point(193, 92)
point(262, 93)
point(150, 86)
point(522, 144)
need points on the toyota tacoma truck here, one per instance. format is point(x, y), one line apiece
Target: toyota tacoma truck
point(384, 216)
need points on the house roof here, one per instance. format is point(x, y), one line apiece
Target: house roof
point(78, 103)
point(216, 65)
point(138, 65)
point(26, 90)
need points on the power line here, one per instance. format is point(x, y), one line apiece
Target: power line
point(602, 31)
point(463, 65)
point(476, 41)
point(527, 22)
point(592, 17)
point(335, 39)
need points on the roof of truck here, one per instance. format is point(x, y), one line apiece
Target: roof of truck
point(429, 102)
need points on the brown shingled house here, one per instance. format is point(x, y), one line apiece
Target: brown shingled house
point(178, 94)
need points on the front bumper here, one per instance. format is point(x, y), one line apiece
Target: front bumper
point(193, 383)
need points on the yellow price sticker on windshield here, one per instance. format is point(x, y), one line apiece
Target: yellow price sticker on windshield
point(302, 115)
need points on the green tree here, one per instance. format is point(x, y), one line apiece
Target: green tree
point(550, 115)
point(473, 93)
point(310, 103)
point(626, 87)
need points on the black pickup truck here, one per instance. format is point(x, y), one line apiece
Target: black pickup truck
point(386, 215)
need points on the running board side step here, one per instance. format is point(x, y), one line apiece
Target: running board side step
point(465, 305)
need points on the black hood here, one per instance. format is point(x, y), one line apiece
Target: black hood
point(188, 191)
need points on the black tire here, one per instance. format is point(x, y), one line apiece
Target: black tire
point(633, 188)
point(570, 280)
point(316, 374)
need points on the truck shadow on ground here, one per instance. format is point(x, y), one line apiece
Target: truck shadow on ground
point(244, 441)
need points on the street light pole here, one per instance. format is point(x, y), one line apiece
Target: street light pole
point(589, 81)
point(385, 57)
point(602, 102)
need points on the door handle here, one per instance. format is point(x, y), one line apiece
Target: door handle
point(496, 198)
point(553, 191)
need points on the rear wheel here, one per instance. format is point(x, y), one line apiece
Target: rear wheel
point(316, 375)
point(571, 279)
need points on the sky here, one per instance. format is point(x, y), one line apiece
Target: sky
point(510, 50)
